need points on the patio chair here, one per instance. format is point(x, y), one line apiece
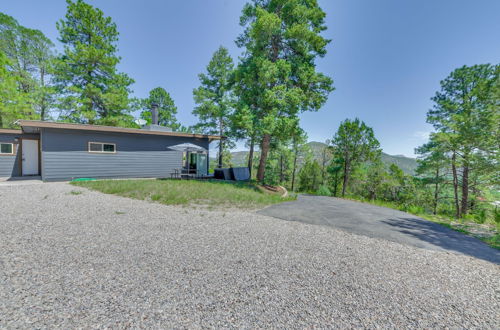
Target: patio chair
point(175, 174)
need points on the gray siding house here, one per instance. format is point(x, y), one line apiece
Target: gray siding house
point(62, 151)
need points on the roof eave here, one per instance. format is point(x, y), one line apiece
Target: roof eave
point(10, 131)
point(99, 128)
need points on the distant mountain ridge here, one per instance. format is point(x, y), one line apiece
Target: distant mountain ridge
point(407, 164)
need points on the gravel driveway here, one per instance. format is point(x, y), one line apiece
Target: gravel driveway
point(87, 260)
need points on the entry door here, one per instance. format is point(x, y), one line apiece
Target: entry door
point(30, 157)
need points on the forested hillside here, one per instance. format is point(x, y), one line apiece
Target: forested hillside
point(407, 164)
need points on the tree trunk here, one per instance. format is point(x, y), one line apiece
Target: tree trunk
point(323, 161)
point(250, 156)
point(346, 177)
point(472, 204)
point(335, 183)
point(294, 166)
point(436, 191)
point(42, 101)
point(465, 190)
point(221, 143)
point(264, 150)
point(282, 178)
point(455, 184)
point(221, 148)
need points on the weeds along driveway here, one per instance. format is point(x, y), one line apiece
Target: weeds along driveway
point(380, 222)
point(71, 257)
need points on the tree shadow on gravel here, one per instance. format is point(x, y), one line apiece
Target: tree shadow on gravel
point(445, 238)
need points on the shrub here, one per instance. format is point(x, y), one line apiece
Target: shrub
point(310, 176)
point(323, 191)
point(415, 209)
point(480, 217)
point(496, 216)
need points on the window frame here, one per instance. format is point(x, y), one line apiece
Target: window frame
point(102, 149)
point(13, 148)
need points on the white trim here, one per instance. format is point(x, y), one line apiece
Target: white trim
point(102, 148)
point(7, 153)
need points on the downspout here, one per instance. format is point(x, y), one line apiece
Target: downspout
point(41, 156)
point(208, 157)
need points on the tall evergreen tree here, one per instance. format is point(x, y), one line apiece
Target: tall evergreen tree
point(244, 123)
point(310, 176)
point(282, 39)
point(354, 143)
point(30, 58)
point(166, 108)
point(433, 168)
point(45, 92)
point(299, 146)
point(13, 103)
point(464, 117)
point(215, 101)
point(93, 91)
point(335, 171)
point(375, 177)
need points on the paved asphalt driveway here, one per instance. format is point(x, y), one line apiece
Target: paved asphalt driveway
point(380, 222)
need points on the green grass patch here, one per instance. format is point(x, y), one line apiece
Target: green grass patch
point(493, 241)
point(186, 192)
point(490, 236)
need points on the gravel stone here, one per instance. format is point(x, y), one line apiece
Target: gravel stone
point(92, 260)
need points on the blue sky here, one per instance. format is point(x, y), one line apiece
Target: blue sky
point(386, 58)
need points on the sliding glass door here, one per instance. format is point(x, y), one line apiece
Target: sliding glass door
point(201, 164)
point(197, 162)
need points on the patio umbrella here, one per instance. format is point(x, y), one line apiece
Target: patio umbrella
point(189, 147)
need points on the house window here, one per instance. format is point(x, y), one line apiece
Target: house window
point(6, 149)
point(99, 147)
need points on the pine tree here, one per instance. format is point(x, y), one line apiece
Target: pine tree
point(354, 143)
point(277, 75)
point(465, 118)
point(433, 168)
point(215, 101)
point(93, 91)
point(30, 57)
point(310, 176)
point(13, 103)
point(166, 108)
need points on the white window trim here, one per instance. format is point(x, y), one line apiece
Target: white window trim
point(102, 149)
point(12, 148)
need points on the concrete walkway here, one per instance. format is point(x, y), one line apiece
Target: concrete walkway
point(380, 222)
